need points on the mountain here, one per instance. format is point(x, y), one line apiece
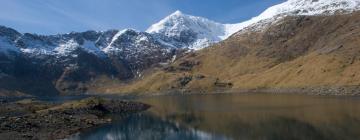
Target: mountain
point(307, 46)
point(65, 63)
point(262, 52)
point(186, 31)
point(69, 63)
point(298, 8)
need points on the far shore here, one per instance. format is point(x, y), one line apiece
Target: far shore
point(317, 91)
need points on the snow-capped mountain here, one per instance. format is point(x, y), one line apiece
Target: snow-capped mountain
point(125, 44)
point(178, 30)
point(140, 49)
point(186, 31)
point(67, 60)
point(311, 7)
point(80, 56)
point(297, 8)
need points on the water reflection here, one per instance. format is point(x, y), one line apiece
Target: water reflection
point(258, 117)
point(146, 127)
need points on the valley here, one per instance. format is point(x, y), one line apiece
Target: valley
point(284, 49)
point(290, 72)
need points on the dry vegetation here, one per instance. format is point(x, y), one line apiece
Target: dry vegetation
point(297, 52)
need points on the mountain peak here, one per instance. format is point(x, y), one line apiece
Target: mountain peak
point(170, 20)
point(176, 13)
point(188, 31)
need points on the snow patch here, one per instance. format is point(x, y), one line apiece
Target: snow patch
point(117, 35)
point(90, 47)
point(66, 48)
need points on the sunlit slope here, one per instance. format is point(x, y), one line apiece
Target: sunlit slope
point(296, 52)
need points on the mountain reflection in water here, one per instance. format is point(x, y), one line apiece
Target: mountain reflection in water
point(145, 127)
point(249, 117)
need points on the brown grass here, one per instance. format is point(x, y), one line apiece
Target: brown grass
point(298, 52)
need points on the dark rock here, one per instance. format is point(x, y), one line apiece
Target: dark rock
point(183, 81)
point(199, 76)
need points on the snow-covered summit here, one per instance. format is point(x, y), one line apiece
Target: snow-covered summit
point(179, 21)
point(186, 31)
point(193, 32)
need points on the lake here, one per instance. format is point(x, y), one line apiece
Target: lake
point(244, 117)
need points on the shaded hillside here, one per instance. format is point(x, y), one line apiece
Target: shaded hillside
point(295, 52)
point(54, 64)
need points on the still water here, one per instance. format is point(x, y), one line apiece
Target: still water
point(243, 117)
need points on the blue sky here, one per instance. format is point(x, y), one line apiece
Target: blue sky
point(62, 16)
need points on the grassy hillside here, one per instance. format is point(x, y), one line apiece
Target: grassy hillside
point(296, 52)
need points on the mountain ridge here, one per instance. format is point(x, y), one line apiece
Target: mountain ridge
point(304, 53)
point(293, 56)
point(71, 63)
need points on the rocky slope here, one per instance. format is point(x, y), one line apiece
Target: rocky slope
point(314, 49)
point(45, 65)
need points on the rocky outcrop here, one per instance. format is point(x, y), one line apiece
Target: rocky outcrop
point(38, 120)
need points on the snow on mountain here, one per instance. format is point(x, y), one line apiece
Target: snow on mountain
point(114, 38)
point(128, 49)
point(35, 45)
point(133, 42)
point(178, 30)
point(138, 48)
point(311, 7)
point(64, 49)
point(59, 45)
point(185, 31)
point(294, 8)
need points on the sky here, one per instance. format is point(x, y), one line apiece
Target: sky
point(64, 16)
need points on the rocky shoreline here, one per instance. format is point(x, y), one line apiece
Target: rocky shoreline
point(317, 91)
point(29, 119)
point(321, 91)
